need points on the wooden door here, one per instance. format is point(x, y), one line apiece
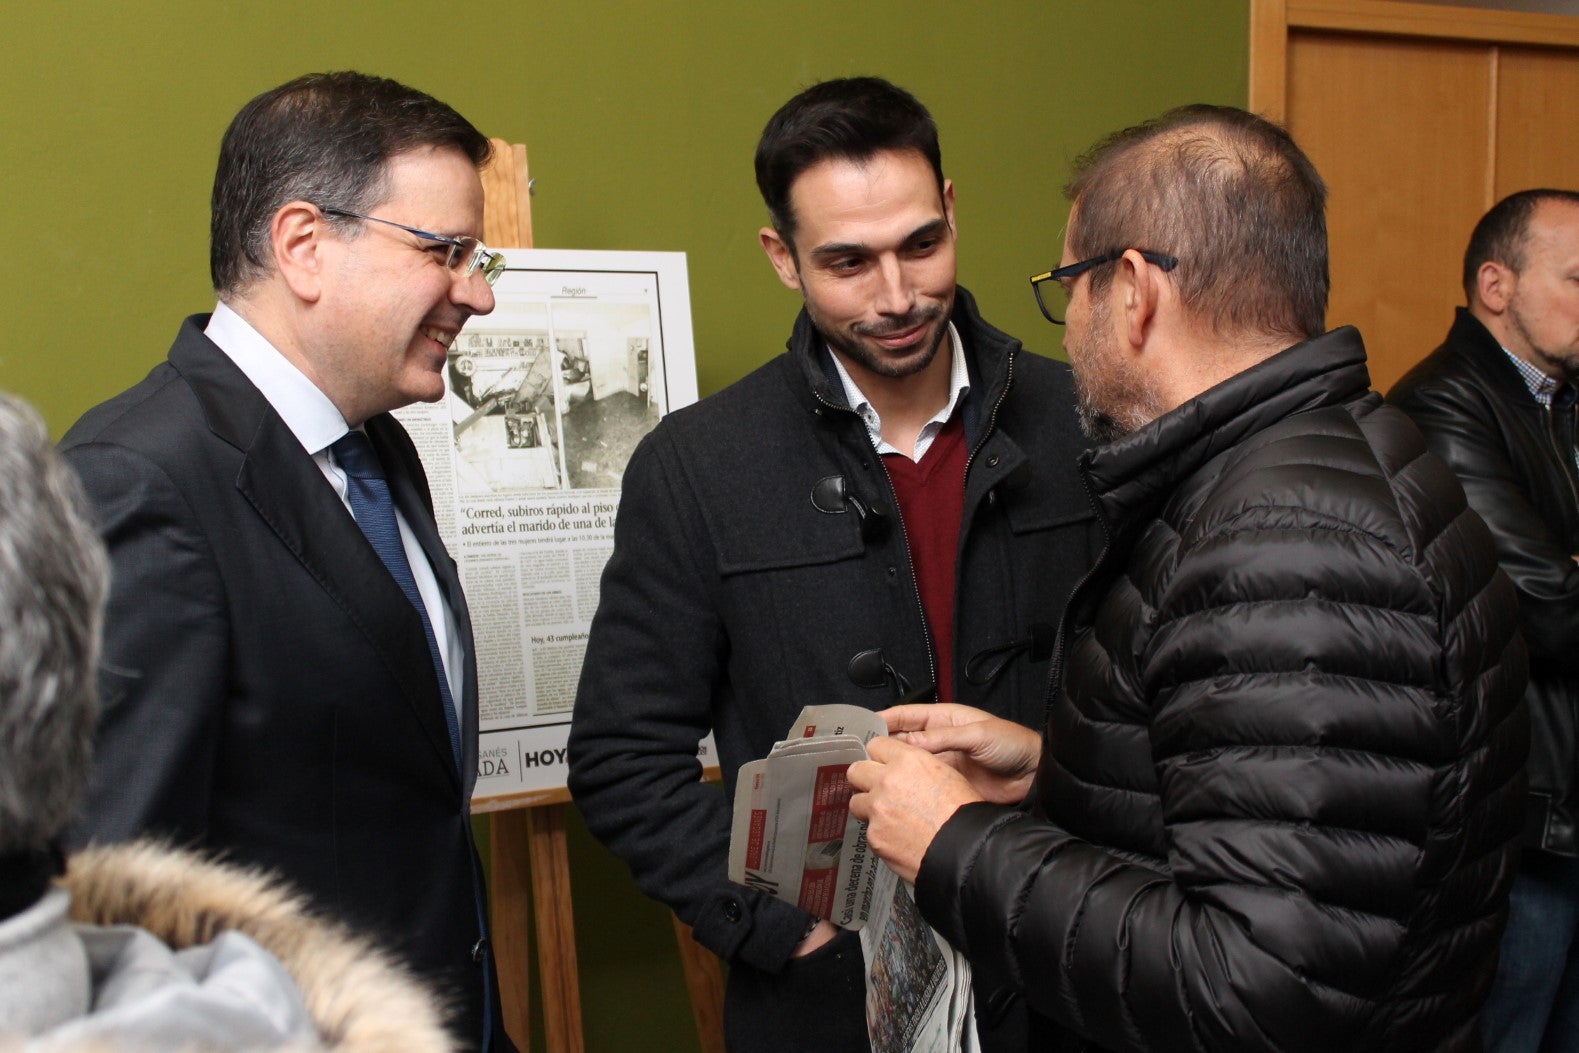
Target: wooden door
point(1420, 117)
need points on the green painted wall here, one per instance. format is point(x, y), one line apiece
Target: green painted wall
point(640, 117)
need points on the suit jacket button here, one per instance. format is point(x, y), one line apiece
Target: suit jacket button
point(480, 951)
point(731, 910)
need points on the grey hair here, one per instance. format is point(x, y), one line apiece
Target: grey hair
point(1233, 197)
point(53, 577)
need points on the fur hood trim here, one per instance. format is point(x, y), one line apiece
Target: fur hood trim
point(360, 997)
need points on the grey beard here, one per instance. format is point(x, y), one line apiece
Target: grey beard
point(1099, 427)
point(1103, 426)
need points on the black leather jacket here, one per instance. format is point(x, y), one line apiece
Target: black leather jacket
point(1280, 783)
point(1517, 467)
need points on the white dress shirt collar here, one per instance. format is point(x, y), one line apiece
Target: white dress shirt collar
point(316, 423)
point(305, 409)
point(959, 386)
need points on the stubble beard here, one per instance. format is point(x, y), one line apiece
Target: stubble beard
point(1566, 360)
point(852, 346)
point(1111, 399)
point(1097, 425)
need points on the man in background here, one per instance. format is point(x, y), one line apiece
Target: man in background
point(288, 673)
point(889, 511)
point(1496, 402)
point(1275, 800)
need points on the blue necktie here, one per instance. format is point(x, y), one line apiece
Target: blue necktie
point(375, 514)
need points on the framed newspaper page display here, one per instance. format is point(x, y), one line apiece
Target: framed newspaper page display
point(544, 401)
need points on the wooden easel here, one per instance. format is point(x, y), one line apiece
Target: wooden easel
point(528, 829)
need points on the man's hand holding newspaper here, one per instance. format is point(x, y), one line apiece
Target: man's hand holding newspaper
point(997, 757)
point(904, 794)
point(941, 755)
point(795, 838)
point(792, 835)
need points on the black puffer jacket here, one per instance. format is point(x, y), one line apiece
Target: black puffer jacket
point(1518, 471)
point(1282, 772)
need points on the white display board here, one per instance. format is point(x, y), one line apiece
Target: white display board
point(545, 398)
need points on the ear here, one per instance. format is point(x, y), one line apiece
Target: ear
point(782, 257)
point(1494, 285)
point(297, 237)
point(948, 206)
point(1139, 290)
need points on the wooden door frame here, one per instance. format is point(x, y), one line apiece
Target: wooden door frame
point(1271, 21)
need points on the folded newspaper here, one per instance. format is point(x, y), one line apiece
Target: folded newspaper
point(794, 839)
point(793, 836)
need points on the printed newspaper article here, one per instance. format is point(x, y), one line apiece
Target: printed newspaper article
point(793, 838)
point(544, 401)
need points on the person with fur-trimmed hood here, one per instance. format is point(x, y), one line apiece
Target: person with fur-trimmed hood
point(139, 946)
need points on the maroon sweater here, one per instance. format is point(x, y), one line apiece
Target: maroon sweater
point(931, 496)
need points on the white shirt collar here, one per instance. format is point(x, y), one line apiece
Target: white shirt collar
point(316, 423)
point(959, 386)
point(306, 410)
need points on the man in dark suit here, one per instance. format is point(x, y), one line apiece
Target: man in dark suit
point(288, 671)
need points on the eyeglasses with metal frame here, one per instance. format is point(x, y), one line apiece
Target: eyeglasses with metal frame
point(1059, 297)
point(467, 254)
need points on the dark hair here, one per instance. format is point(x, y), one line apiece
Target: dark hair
point(324, 138)
point(1231, 195)
point(849, 119)
point(1503, 234)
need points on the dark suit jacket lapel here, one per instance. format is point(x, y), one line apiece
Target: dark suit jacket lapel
point(291, 495)
point(408, 485)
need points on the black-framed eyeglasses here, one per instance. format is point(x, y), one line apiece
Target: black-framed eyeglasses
point(467, 254)
point(1054, 302)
